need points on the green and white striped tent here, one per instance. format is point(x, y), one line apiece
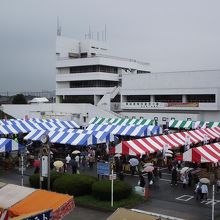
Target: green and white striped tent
point(192, 124)
point(121, 121)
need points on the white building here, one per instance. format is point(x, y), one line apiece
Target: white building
point(183, 95)
point(86, 73)
point(110, 86)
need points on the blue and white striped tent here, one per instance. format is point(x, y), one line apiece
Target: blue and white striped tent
point(129, 130)
point(56, 122)
point(41, 124)
point(11, 129)
point(25, 126)
point(77, 137)
point(7, 145)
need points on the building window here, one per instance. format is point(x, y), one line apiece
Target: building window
point(93, 68)
point(201, 98)
point(92, 83)
point(138, 98)
point(168, 98)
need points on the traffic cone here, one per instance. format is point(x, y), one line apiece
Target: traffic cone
point(146, 193)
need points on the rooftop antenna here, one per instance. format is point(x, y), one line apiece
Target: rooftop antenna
point(90, 33)
point(105, 32)
point(58, 27)
point(97, 35)
point(102, 35)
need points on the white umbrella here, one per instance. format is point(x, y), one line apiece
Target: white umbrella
point(117, 155)
point(184, 169)
point(133, 162)
point(204, 180)
point(148, 164)
point(76, 152)
point(58, 164)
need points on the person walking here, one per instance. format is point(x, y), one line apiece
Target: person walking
point(174, 177)
point(74, 166)
point(141, 180)
point(204, 189)
point(190, 177)
point(218, 185)
point(68, 159)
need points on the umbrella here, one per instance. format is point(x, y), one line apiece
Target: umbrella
point(58, 164)
point(148, 169)
point(184, 169)
point(133, 162)
point(117, 155)
point(76, 152)
point(36, 163)
point(148, 164)
point(204, 180)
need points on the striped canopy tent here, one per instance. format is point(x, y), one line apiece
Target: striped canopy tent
point(128, 130)
point(42, 123)
point(12, 129)
point(77, 137)
point(156, 143)
point(204, 154)
point(121, 121)
point(192, 124)
point(56, 122)
point(7, 145)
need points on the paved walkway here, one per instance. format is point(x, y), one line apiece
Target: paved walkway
point(164, 199)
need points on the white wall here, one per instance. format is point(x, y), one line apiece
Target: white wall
point(64, 111)
point(65, 45)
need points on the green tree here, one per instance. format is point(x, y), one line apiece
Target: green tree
point(19, 99)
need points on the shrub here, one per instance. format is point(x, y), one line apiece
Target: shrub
point(74, 184)
point(34, 180)
point(102, 190)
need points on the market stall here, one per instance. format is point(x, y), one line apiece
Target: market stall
point(157, 143)
point(121, 121)
point(204, 154)
point(8, 145)
point(39, 200)
point(11, 194)
point(127, 130)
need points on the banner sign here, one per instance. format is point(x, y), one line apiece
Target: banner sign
point(46, 215)
point(44, 166)
point(103, 168)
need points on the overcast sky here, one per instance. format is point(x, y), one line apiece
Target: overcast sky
point(169, 34)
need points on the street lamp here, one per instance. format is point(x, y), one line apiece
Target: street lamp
point(45, 160)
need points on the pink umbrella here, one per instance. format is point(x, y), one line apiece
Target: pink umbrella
point(148, 169)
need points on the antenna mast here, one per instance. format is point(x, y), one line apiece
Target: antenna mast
point(58, 27)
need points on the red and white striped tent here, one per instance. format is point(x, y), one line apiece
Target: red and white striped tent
point(204, 154)
point(156, 143)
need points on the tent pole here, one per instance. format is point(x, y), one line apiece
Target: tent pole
point(22, 169)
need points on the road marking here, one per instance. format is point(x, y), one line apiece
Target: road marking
point(185, 198)
point(209, 202)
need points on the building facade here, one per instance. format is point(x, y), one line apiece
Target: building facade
point(87, 73)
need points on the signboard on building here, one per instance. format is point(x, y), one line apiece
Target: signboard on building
point(142, 105)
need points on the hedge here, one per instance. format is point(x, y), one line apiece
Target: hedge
point(34, 180)
point(102, 190)
point(74, 184)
